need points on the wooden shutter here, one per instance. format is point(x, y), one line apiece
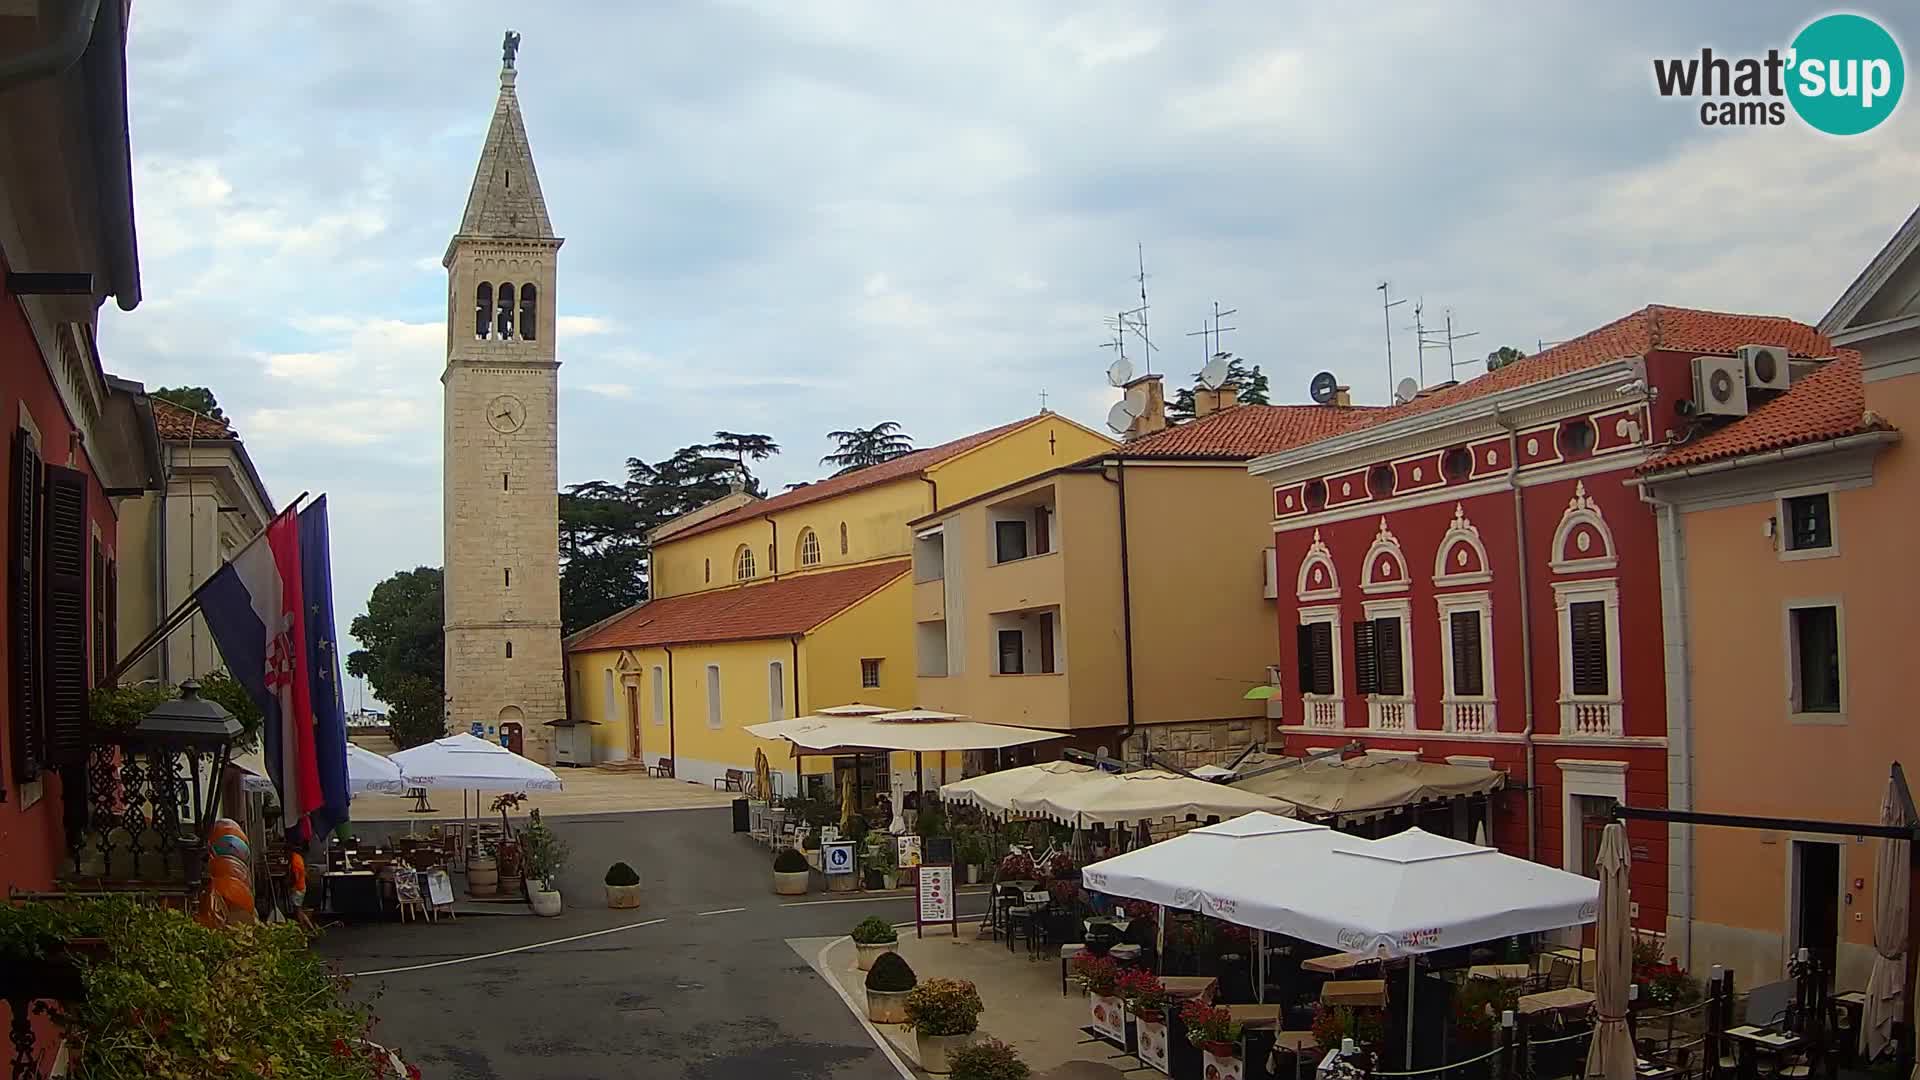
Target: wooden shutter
point(64, 566)
point(1042, 535)
point(113, 614)
point(98, 580)
point(1323, 658)
point(1391, 673)
point(1465, 638)
point(23, 613)
point(1589, 626)
point(1303, 655)
point(1366, 665)
point(1046, 642)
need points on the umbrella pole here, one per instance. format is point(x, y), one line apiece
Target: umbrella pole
point(1413, 968)
point(919, 787)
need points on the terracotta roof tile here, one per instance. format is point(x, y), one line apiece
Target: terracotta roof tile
point(899, 468)
point(1247, 431)
point(174, 422)
point(1825, 405)
point(791, 605)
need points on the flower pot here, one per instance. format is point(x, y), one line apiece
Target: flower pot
point(483, 876)
point(512, 884)
point(867, 954)
point(973, 874)
point(1150, 1040)
point(546, 902)
point(623, 896)
point(1109, 1015)
point(1221, 1061)
point(887, 1006)
point(791, 882)
point(932, 1050)
point(889, 881)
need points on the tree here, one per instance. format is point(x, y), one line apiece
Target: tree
point(1248, 382)
point(1502, 356)
point(403, 655)
point(196, 398)
point(862, 447)
point(742, 447)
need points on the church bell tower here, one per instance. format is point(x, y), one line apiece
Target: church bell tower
point(501, 515)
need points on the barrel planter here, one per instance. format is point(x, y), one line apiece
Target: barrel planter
point(867, 954)
point(887, 1006)
point(483, 876)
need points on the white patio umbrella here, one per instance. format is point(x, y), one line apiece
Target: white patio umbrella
point(1886, 985)
point(853, 708)
point(368, 771)
point(1610, 1056)
point(472, 764)
point(918, 715)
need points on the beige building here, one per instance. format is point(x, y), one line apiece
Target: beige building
point(501, 519)
point(170, 543)
point(1124, 597)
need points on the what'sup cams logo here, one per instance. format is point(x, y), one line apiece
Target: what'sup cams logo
point(1842, 75)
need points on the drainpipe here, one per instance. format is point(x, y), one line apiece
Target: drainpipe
point(799, 709)
point(61, 52)
point(162, 603)
point(1679, 683)
point(933, 486)
point(1526, 623)
point(1119, 480)
point(673, 754)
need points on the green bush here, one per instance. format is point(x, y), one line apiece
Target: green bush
point(874, 930)
point(890, 974)
point(944, 1007)
point(622, 874)
point(790, 861)
point(988, 1059)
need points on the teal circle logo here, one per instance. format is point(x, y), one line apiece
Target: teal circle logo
point(1846, 74)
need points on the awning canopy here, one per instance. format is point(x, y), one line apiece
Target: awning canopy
point(1367, 783)
point(474, 764)
point(1081, 795)
point(366, 771)
point(850, 734)
point(1412, 892)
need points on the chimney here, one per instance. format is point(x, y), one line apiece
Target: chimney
point(1341, 398)
point(1154, 417)
point(1207, 402)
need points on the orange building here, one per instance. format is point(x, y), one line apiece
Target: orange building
point(1790, 614)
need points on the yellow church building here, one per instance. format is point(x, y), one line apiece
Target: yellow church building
point(766, 609)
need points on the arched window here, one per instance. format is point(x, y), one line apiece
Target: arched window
point(529, 311)
point(843, 538)
point(482, 311)
point(709, 569)
point(743, 563)
point(809, 548)
point(503, 323)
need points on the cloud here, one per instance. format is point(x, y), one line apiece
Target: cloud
point(611, 390)
point(584, 325)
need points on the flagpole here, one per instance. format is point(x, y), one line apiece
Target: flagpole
point(189, 607)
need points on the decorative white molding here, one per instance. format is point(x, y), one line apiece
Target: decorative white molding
point(1598, 715)
point(1317, 579)
point(1461, 558)
point(1386, 568)
point(1592, 547)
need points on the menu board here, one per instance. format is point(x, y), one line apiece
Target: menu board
point(935, 892)
point(439, 887)
point(909, 851)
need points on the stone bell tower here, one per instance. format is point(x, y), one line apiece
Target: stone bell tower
point(502, 475)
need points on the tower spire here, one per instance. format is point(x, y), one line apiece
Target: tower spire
point(505, 200)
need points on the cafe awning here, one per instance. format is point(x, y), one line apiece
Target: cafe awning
point(1367, 784)
point(855, 734)
point(1083, 796)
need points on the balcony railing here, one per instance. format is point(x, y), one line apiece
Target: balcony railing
point(1467, 717)
point(1389, 713)
point(1320, 710)
point(1590, 717)
point(136, 820)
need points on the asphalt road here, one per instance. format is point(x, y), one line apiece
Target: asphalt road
point(709, 992)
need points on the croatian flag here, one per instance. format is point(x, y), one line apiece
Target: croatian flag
point(253, 608)
point(323, 665)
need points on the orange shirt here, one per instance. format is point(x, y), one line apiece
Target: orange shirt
point(297, 873)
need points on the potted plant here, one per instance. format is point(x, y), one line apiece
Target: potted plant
point(988, 1059)
point(872, 937)
point(1017, 866)
point(1331, 1025)
point(1099, 976)
point(884, 859)
point(790, 873)
point(943, 1014)
point(888, 982)
point(970, 848)
point(512, 856)
point(1147, 1000)
point(1477, 1006)
point(545, 856)
point(623, 886)
point(483, 870)
point(1213, 1030)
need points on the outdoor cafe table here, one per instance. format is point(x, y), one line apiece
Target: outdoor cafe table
point(1255, 1016)
point(1752, 1041)
point(1499, 971)
point(1653, 1070)
point(1546, 1001)
point(1338, 963)
point(1300, 1044)
point(1185, 987)
point(1366, 992)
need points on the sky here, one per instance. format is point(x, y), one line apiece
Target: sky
point(791, 218)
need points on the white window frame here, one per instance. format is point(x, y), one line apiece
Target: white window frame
point(716, 720)
point(743, 564)
point(1482, 704)
point(809, 545)
point(776, 690)
point(659, 696)
point(612, 709)
point(875, 661)
point(1326, 613)
point(1791, 650)
point(1380, 707)
point(1783, 524)
point(1594, 779)
point(1566, 594)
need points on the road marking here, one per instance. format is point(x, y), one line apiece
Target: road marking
point(505, 952)
point(723, 911)
point(859, 1013)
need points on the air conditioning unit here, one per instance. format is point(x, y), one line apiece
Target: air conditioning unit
point(1767, 367)
point(1719, 386)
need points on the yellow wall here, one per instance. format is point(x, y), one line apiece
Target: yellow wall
point(876, 520)
point(1021, 453)
point(875, 627)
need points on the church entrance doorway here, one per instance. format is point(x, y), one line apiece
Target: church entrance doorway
point(633, 719)
point(510, 737)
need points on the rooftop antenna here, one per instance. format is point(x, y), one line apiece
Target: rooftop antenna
point(1136, 320)
point(1211, 348)
point(1386, 317)
point(1447, 338)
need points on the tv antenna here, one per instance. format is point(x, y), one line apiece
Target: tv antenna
point(1444, 339)
point(1135, 321)
point(1386, 317)
point(1209, 335)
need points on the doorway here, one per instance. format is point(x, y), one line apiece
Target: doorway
point(1816, 900)
point(510, 737)
point(633, 719)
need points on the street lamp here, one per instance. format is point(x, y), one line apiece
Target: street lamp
point(186, 730)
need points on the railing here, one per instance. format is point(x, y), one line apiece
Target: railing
point(1320, 711)
point(1590, 717)
point(1467, 717)
point(133, 818)
point(1390, 714)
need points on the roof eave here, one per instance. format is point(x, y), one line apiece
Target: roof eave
point(1855, 440)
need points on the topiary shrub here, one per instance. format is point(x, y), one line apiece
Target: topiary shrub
point(874, 930)
point(944, 1007)
point(891, 974)
point(988, 1059)
point(790, 861)
point(622, 874)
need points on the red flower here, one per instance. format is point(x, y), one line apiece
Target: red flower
point(340, 1048)
point(413, 1072)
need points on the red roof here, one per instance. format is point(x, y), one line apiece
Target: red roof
point(900, 468)
point(1827, 404)
point(791, 605)
point(1652, 328)
point(1247, 431)
point(174, 422)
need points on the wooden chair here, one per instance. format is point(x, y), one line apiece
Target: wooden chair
point(735, 780)
point(664, 770)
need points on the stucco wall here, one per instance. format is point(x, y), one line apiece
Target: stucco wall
point(875, 518)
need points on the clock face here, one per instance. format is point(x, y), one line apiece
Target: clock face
point(506, 413)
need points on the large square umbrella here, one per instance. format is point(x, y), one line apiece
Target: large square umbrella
point(1886, 985)
point(1610, 1055)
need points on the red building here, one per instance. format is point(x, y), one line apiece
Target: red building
point(1472, 577)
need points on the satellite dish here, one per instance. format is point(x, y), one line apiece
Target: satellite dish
point(1408, 389)
point(1118, 418)
point(1120, 372)
point(1214, 375)
point(1323, 386)
point(1135, 401)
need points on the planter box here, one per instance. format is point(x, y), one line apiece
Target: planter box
point(621, 897)
point(887, 1006)
point(932, 1050)
point(1109, 1017)
point(546, 902)
point(867, 954)
point(791, 883)
point(1150, 1038)
point(1221, 1066)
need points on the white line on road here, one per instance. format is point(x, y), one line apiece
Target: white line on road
point(859, 1014)
point(723, 911)
point(505, 952)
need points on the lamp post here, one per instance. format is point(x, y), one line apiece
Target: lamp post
point(187, 730)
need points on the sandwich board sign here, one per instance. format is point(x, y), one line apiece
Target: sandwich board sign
point(935, 900)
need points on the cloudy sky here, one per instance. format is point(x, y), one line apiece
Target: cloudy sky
point(793, 217)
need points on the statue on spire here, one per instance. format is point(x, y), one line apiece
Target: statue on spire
point(509, 47)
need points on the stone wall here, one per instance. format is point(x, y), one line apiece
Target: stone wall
point(1192, 744)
